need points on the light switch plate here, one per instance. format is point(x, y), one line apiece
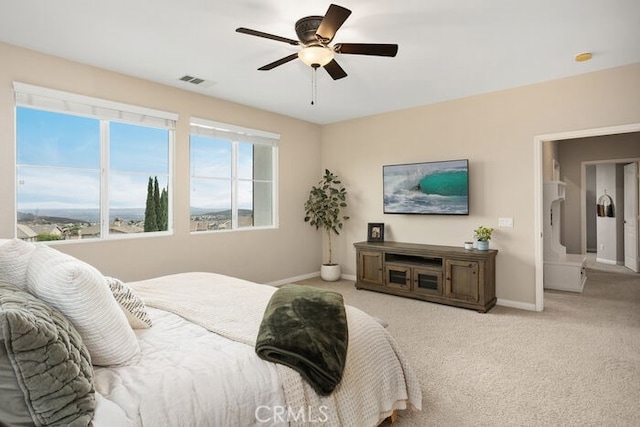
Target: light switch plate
point(505, 222)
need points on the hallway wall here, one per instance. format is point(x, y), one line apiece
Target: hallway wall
point(571, 154)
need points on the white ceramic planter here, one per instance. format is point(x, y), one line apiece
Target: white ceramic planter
point(330, 273)
point(482, 246)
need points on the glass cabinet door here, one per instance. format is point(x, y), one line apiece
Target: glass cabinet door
point(427, 281)
point(398, 276)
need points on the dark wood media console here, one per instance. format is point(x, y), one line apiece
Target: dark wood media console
point(442, 274)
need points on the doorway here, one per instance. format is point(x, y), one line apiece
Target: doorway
point(538, 196)
point(614, 239)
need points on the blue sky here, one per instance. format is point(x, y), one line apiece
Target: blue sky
point(45, 138)
point(69, 147)
point(211, 158)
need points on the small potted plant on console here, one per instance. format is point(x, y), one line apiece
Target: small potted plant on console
point(482, 235)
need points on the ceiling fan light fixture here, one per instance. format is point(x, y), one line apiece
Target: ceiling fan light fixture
point(316, 55)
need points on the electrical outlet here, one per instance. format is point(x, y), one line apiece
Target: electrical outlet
point(505, 222)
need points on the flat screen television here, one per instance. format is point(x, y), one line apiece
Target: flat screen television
point(427, 188)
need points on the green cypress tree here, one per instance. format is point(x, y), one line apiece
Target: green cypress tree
point(164, 210)
point(150, 218)
point(156, 200)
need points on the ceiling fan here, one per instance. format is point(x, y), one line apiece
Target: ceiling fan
point(314, 34)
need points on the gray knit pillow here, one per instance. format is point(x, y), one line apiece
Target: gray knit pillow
point(45, 357)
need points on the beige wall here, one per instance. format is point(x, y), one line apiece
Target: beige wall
point(292, 250)
point(496, 133)
point(549, 155)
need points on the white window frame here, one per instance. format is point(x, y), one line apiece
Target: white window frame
point(40, 98)
point(239, 134)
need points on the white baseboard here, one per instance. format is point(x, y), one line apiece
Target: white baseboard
point(293, 279)
point(606, 261)
point(516, 304)
point(307, 276)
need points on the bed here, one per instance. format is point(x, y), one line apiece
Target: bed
point(174, 350)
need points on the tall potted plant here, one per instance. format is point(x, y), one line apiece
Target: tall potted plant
point(323, 210)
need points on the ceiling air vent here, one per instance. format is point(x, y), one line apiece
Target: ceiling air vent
point(191, 79)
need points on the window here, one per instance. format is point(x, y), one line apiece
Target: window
point(88, 168)
point(233, 172)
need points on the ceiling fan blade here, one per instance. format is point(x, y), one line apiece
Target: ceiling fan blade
point(335, 70)
point(332, 21)
point(375, 49)
point(279, 62)
point(266, 36)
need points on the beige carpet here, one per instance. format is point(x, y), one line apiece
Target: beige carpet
point(575, 363)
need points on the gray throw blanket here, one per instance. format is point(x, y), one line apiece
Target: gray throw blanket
point(305, 328)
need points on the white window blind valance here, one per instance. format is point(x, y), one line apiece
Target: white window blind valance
point(64, 102)
point(204, 127)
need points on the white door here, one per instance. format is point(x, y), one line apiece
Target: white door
point(631, 196)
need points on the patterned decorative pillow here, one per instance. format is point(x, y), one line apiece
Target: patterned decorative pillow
point(45, 369)
point(14, 258)
point(80, 292)
point(130, 303)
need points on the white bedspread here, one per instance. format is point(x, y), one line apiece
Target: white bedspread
point(187, 376)
point(377, 378)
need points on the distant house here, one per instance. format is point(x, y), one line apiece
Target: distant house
point(26, 233)
point(199, 226)
point(90, 232)
point(49, 230)
point(122, 228)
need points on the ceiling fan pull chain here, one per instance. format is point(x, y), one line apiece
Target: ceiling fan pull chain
point(314, 84)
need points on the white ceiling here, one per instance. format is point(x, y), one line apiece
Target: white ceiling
point(447, 48)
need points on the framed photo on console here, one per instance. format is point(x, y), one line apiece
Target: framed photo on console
point(375, 232)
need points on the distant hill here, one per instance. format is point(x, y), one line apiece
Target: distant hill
point(224, 212)
point(74, 216)
point(92, 216)
point(45, 219)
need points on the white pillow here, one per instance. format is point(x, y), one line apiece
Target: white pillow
point(80, 292)
point(131, 304)
point(14, 258)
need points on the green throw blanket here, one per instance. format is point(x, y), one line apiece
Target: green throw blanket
point(305, 328)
